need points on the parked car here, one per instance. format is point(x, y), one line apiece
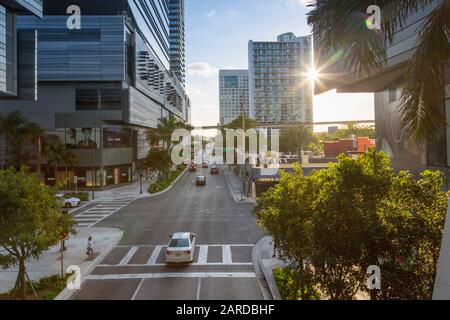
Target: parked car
point(200, 181)
point(205, 165)
point(67, 201)
point(214, 170)
point(181, 248)
point(192, 167)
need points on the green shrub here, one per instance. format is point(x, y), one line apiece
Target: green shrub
point(163, 185)
point(285, 279)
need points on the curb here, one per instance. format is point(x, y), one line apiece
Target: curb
point(230, 188)
point(66, 294)
point(267, 273)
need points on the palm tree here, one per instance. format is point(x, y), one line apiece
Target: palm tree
point(164, 131)
point(339, 26)
point(57, 154)
point(18, 134)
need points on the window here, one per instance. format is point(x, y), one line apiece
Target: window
point(80, 138)
point(116, 137)
point(111, 99)
point(87, 99)
point(392, 95)
point(231, 82)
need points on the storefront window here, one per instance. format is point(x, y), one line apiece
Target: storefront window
point(117, 137)
point(80, 138)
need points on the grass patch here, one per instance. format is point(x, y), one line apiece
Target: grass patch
point(163, 185)
point(285, 279)
point(47, 288)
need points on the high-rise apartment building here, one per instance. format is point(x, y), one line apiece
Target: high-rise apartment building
point(176, 39)
point(18, 78)
point(101, 87)
point(233, 93)
point(280, 88)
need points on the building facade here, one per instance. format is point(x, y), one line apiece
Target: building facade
point(101, 87)
point(280, 89)
point(233, 95)
point(387, 86)
point(18, 79)
point(177, 39)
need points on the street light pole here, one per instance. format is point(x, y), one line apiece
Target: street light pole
point(141, 176)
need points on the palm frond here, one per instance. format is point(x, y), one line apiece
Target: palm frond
point(340, 26)
point(422, 99)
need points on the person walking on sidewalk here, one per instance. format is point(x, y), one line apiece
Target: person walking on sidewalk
point(90, 249)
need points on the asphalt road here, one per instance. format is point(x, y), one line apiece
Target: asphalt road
point(222, 268)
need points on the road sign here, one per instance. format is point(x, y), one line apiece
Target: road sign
point(75, 179)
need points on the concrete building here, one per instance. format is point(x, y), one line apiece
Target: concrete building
point(18, 78)
point(102, 86)
point(387, 86)
point(233, 93)
point(177, 39)
point(280, 89)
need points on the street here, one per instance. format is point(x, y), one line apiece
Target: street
point(222, 269)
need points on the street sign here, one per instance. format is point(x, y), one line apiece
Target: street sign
point(75, 179)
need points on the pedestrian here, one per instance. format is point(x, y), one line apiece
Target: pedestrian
point(274, 249)
point(90, 249)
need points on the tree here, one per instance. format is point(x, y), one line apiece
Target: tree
point(286, 212)
point(340, 26)
point(237, 123)
point(296, 139)
point(19, 134)
point(413, 215)
point(30, 221)
point(332, 225)
point(159, 160)
point(164, 131)
point(58, 154)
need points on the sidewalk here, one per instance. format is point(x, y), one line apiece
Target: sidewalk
point(50, 264)
point(235, 186)
point(265, 264)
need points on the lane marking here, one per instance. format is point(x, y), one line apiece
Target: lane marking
point(128, 256)
point(199, 284)
point(203, 254)
point(220, 264)
point(226, 255)
point(154, 256)
point(172, 275)
point(137, 289)
point(164, 246)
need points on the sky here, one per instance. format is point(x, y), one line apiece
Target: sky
point(217, 35)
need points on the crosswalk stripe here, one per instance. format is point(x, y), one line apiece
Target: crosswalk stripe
point(155, 254)
point(101, 211)
point(128, 256)
point(173, 275)
point(226, 254)
point(203, 254)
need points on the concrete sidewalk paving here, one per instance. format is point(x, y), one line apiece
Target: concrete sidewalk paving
point(235, 186)
point(264, 263)
point(105, 239)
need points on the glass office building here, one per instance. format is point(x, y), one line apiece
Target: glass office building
point(177, 39)
point(101, 87)
point(233, 91)
point(17, 50)
point(280, 88)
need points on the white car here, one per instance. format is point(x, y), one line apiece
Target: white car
point(68, 201)
point(181, 248)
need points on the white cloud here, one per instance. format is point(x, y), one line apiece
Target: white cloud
point(211, 13)
point(232, 13)
point(202, 69)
